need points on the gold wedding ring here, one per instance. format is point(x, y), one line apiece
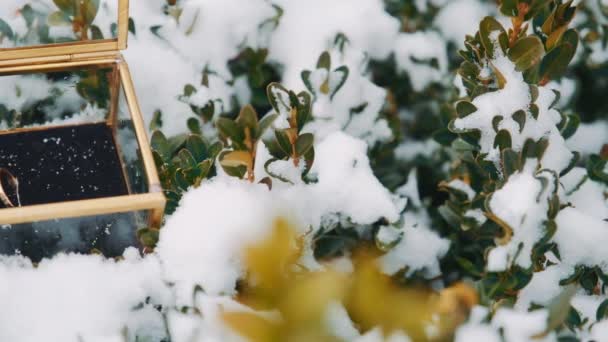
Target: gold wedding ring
point(13, 182)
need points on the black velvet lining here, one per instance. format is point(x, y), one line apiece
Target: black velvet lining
point(62, 164)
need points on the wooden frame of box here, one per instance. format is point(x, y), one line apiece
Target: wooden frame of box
point(66, 56)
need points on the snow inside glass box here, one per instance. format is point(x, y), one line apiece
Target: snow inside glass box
point(76, 170)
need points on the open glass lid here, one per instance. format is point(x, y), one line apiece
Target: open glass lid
point(47, 28)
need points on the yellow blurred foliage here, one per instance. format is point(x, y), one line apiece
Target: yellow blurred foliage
point(371, 298)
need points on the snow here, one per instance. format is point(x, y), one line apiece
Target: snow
point(346, 182)
point(336, 114)
point(589, 138)
point(73, 295)
point(520, 326)
point(459, 18)
point(422, 47)
point(484, 333)
point(578, 236)
point(522, 204)
point(339, 16)
point(211, 234)
point(420, 248)
point(504, 102)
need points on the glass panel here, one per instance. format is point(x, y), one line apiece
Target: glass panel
point(129, 149)
point(55, 98)
point(55, 138)
point(43, 22)
point(109, 234)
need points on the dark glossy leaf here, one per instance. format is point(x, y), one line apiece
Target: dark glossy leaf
point(283, 141)
point(510, 162)
point(66, 6)
point(194, 125)
point(304, 114)
point(489, 28)
point(503, 139)
point(570, 126)
point(526, 52)
point(265, 123)
point(555, 63)
point(496, 121)
point(160, 144)
point(444, 137)
point(304, 143)
point(520, 118)
point(229, 129)
point(5, 29)
point(278, 97)
point(249, 118)
point(602, 311)
point(342, 74)
point(186, 159)
point(88, 10)
point(464, 108)
point(324, 61)
point(197, 147)
point(509, 8)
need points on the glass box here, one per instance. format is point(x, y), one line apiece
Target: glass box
point(76, 169)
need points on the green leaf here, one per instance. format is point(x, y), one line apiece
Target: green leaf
point(66, 6)
point(186, 159)
point(180, 180)
point(571, 125)
point(249, 118)
point(215, 149)
point(58, 19)
point(160, 144)
point(283, 141)
point(304, 143)
point(555, 63)
point(509, 8)
point(602, 311)
point(89, 10)
point(189, 90)
point(238, 171)
point(576, 156)
point(324, 61)
point(309, 159)
point(304, 114)
point(6, 29)
point(487, 28)
point(520, 118)
point(526, 52)
point(496, 121)
point(229, 129)
point(148, 237)
point(465, 108)
point(444, 137)
point(265, 123)
point(194, 125)
point(197, 147)
point(342, 73)
point(559, 308)
point(204, 169)
point(235, 159)
point(278, 97)
point(595, 169)
point(503, 139)
point(510, 162)
point(305, 75)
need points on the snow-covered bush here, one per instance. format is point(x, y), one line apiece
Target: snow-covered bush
point(397, 170)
